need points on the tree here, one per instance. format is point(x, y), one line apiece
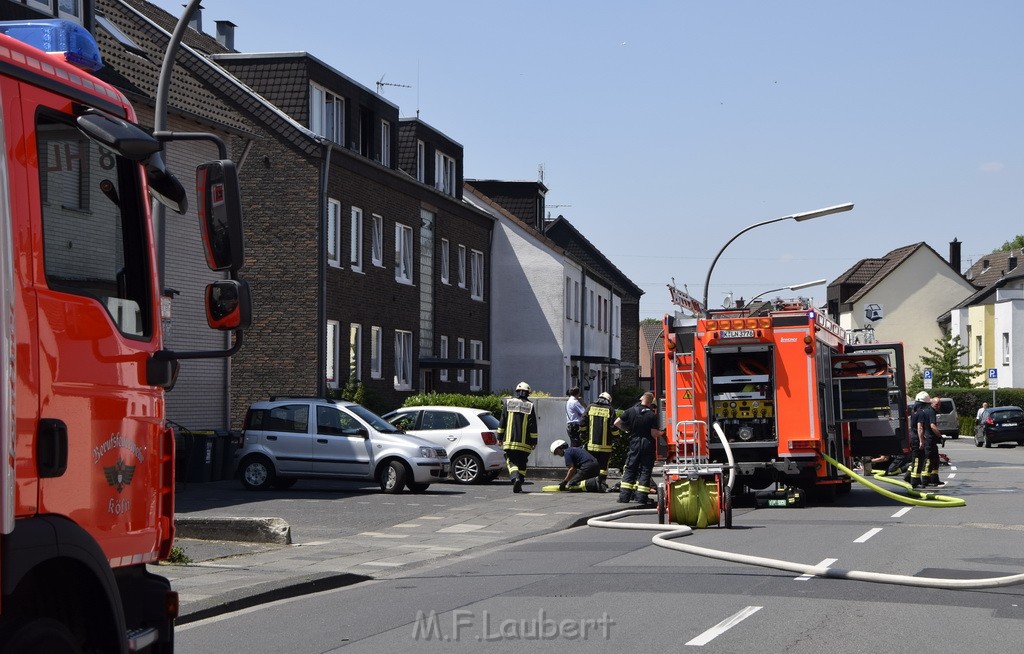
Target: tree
point(944, 360)
point(1016, 244)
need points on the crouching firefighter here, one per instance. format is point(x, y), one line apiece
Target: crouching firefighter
point(601, 428)
point(518, 433)
point(583, 469)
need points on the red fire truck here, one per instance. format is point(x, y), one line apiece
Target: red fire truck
point(785, 386)
point(87, 475)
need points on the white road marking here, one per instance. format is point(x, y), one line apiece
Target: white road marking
point(724, 626)
point(869, 534)
point(377, 534)
point(951, 475)
point(902, 512)
point(460, 529)
point(825, 563)
point(952, 467)
point(532, 515)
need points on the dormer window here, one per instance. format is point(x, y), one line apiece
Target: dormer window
point(326, 113)
point(444, 173)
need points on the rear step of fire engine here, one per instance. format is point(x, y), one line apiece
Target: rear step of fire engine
point(791, 497)
point(139, 639)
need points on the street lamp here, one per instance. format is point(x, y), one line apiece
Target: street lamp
point(792, 287)
point(799, 217)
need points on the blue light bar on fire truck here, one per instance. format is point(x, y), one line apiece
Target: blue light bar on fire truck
point(57, 37)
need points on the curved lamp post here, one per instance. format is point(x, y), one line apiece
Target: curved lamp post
point(799, 217)
point(791, 287)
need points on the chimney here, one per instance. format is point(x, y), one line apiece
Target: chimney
point(226, 34)
point(196, 20)
point(1011, 263)
point(954, 255)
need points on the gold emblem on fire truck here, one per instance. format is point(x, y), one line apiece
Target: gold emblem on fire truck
point(119, 475)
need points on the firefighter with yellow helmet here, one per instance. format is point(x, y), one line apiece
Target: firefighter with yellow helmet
point(601, 428)
point(518, 433)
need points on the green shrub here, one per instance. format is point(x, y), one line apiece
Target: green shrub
point(491, 403)
point(178, 556)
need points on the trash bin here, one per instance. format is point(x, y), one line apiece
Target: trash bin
point(227, 470)
point(200, 458)
point(217, 456)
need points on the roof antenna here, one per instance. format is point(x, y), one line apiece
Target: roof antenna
point(381, 84)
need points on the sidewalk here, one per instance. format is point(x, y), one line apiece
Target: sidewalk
point(226, 576)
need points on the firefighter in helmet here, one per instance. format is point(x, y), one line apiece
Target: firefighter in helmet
point(518, 433)
point(642, 423)
point(601, 428)
point(582, 473)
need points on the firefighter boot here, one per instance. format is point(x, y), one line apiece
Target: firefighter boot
point(517, 483)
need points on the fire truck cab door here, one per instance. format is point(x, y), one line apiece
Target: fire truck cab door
point(97, 319)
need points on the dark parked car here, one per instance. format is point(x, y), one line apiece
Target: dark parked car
point(1000, 424)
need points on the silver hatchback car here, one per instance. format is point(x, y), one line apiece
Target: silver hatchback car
point(286, 439)
point(947, 419)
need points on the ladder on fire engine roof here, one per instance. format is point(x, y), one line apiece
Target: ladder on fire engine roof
point(687, 436)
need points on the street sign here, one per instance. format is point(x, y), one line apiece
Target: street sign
point(993, 378)
point(927, 374)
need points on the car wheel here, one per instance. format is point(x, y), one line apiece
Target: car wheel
point(257, 473)
point(977, 443)
point(955, 436)
point(417, 488)
point(284, 484)
point(467, 468)
point(392, 479)
point(988, 443)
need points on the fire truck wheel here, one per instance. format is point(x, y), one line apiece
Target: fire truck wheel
point(662, 505)
point(39, 635)
point(257, 473)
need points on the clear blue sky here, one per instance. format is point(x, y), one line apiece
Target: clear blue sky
point(670, 126)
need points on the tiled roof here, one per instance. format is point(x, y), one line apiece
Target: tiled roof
point(992, 267)
point(892, 260)
point(652, 336)
point(137, 75)
point(563, 232)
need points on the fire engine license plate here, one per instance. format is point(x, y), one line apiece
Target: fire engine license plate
point(739, 333)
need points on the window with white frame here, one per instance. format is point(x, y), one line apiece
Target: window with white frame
point(326, 113)
point(600, 313)
point(616, 318)
point(444, 173)
point(476, 375)
point(445, 267)
point(576, 301)
point(403, 253)
point(376, 352)
point(462, 266)
point(385, 143)
point(978, 350)
point(568, 298)
point(590, 308)
point(444, 355)
point(331, 373)
point(421, 161)
point(1006, 348)
point(377, 246)
point(460, 344)
point(403, 360)
point(355, 351)
point(355, 237)
point(332, 237)
point(476, 275)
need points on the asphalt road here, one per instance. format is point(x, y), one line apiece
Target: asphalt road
point(600, 590)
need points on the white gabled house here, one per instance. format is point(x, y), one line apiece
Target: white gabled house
point(899, 297)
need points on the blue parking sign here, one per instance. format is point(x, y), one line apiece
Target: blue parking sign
point(928, 373)
point(993, 373)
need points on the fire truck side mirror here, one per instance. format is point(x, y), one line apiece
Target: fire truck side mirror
point(228, 304)
point(124, 138)
point(220, 214)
